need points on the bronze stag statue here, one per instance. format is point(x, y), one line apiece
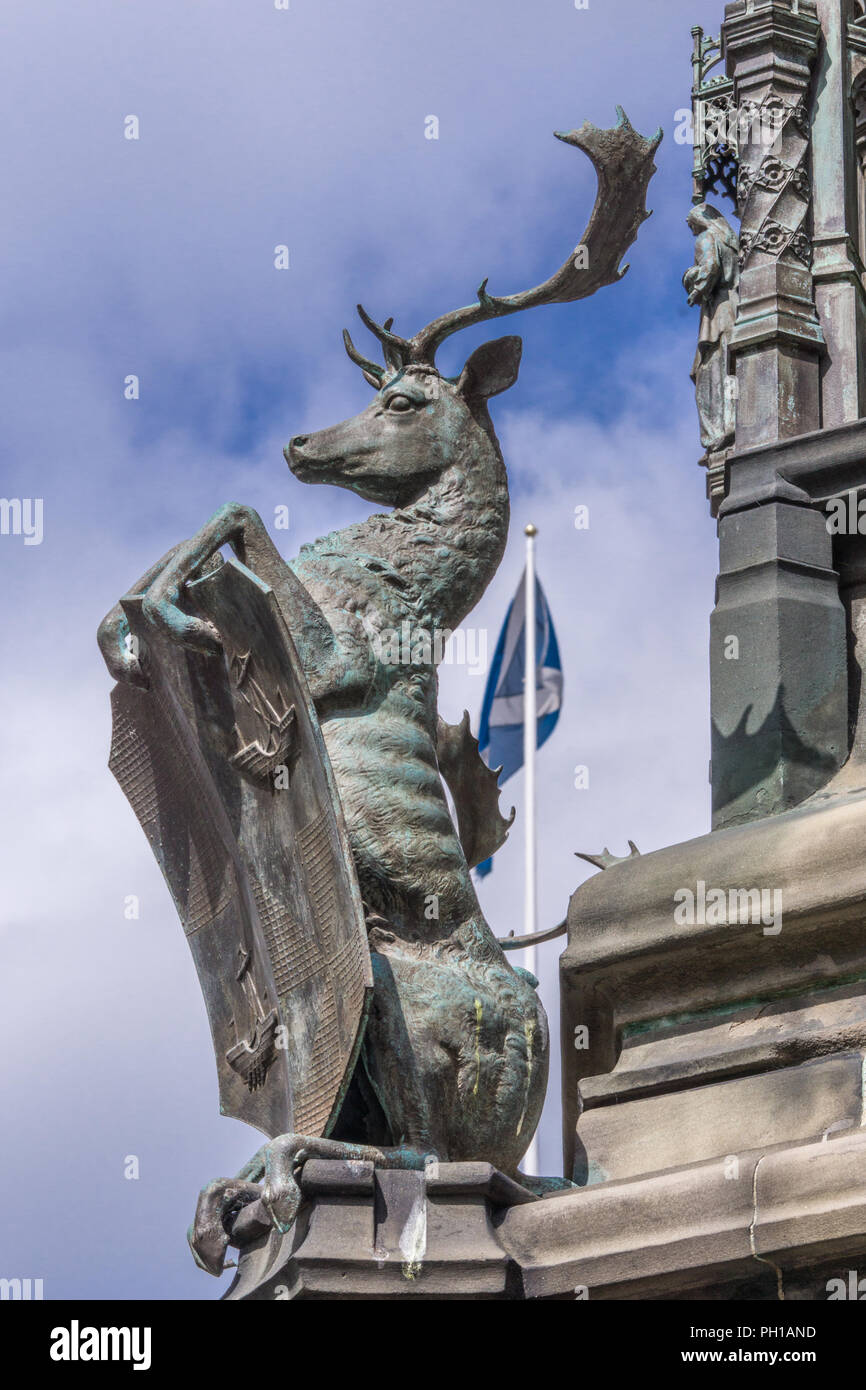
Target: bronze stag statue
point(441, 1046)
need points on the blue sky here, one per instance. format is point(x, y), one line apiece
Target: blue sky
point(155, 257)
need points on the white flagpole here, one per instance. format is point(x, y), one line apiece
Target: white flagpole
point(530, 738)
point(530, 730)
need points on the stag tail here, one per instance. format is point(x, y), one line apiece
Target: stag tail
point(624, 164)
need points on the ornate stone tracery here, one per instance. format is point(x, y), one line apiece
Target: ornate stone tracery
point(775, 187)
point(714, 121)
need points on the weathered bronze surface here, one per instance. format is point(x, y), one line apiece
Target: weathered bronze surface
point(454, 1052)
point(224, 764)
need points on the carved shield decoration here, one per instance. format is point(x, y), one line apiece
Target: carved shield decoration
point(224, 764)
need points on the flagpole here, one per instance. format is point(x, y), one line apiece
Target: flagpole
point(530, 733)
point(530, 738)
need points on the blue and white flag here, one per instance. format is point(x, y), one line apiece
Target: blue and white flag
point(500, 738)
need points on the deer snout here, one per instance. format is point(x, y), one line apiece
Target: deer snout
point(296, 455)
point(292, 449)
point(312, 456)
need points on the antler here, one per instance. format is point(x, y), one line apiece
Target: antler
point(623, 161)
point(372, 371)
point(394, 348)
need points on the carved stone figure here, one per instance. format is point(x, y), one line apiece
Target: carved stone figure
point(712, 282)
point(452, 1048)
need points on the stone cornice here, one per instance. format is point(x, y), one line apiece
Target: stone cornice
point(694, 1228)
point(760, 21)
point(771, 42)
point(808, 468)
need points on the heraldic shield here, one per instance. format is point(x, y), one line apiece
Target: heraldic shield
point(223, 761)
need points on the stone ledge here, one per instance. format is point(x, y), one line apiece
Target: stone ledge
point(366, 1232)
point(676, 1054)
point(691, 1229)
point(635, 1137)
point(791, 1217)
point(805, 468)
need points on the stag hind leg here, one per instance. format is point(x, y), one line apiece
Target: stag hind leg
point(271, 1180)
point(456, 1050)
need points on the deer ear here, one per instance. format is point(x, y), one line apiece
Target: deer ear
point(491, 368)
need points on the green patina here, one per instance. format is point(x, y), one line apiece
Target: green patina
point(650, 1025)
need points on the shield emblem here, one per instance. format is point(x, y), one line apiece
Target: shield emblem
point(224, 764)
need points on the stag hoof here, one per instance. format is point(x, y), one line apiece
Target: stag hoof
point(270, 1179)
point(218, 1205)
point(119, 652)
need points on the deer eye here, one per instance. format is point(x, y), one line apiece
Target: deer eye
point(399, 403)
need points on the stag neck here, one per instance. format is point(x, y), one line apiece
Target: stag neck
point(447, 544)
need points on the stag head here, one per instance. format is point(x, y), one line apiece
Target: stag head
point(419, 421)
point(417, 426)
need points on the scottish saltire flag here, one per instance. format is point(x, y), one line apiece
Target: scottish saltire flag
point(500, 738)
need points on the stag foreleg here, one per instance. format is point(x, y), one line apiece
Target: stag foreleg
point(334, 663)
point(237, 525)
point(113, 635)
point(234, 525)
point(162, 585)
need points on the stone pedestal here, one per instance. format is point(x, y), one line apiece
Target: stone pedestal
point(714, 1046)
point(379, 1233)
point(792, 1221)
